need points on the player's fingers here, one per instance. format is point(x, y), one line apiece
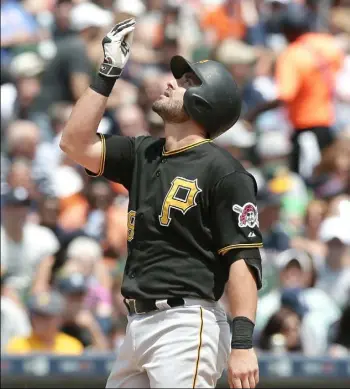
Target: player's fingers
point(229, 379)
point(129, 35)
point(236, 383)
point(245, 383)
point(122, 27)
point(256, 377)
point(251, 380)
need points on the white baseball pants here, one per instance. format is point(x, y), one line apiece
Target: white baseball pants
point(181, 347)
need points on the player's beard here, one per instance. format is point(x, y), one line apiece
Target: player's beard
point(171, 111)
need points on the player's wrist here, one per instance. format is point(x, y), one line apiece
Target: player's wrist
point(103, 84)
point(242, 333)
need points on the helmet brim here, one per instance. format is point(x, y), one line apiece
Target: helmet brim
point(179, 66)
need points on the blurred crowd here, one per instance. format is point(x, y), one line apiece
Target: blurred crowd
point(64, 234)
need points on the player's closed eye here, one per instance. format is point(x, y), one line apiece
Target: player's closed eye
point(192, 79)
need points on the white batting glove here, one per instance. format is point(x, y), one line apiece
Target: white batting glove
point(116, 47)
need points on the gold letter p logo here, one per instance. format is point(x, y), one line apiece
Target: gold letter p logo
point(173, 201)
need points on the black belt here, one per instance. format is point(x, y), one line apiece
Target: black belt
point(144, 306)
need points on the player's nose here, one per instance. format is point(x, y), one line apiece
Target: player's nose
point(172, 84)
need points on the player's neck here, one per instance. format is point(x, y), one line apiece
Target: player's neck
point(180, 135)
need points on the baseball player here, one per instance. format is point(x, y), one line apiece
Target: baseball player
point(192, 226)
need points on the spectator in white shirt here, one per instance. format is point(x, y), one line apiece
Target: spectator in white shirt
point(296, 273)
point(23, 244)
point(14, 319)
point(334, 275)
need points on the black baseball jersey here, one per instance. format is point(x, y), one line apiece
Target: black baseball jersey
point(192, 212)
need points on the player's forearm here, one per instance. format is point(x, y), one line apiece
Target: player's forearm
point(79, 135)
point(242, 291)
point(80, 131)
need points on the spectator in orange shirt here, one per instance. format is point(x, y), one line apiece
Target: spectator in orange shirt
point(305, 74)
point(225, 21)
point(46, 310)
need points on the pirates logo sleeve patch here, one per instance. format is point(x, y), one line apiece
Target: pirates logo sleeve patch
point(247, 215)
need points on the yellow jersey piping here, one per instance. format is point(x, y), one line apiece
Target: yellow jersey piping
point(185, 148)
point(102, 160)
point(224, 250)
point(199, 348)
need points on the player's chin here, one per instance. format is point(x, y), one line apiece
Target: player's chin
point(160, 105)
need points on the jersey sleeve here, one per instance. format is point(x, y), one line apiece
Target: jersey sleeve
point(117, 159)
point(234, 213)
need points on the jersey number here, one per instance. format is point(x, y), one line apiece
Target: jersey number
point(184, 203)
point(131, 225)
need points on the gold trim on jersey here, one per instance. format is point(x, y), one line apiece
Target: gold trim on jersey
point(199, 348)
point(224, 250)
point(102, 160)
point(185, 148)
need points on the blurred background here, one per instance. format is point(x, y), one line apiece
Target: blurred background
point(63, 234)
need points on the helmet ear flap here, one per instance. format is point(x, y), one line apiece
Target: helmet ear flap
point(200, 104)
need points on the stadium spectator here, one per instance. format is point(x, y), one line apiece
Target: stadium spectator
point(23, 244)
point(273, 149)
point(49, 153)
point(269, 30)
point(131, 120)
point(119, 306)
point(26, 69)
point(78, 320)
point(293, 268)
point(20, 175)
point(19, 29)
point(340, 346)
point(296, 286)
point(61, 27)
point(224, 21)
point(307, 93)
point(23, 141)
point(332, 175)
point(238, 141)
point(309, 237)
point(69, 73)
point(117, 333)
point(46, 315)
point(14, 318)
point(274, 235)
point(48, 212)
point(334, 275)
point(85, 256)
point(240, 59)
point(286, 323)
point(85, 208)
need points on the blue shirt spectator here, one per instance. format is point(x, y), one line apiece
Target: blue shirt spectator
point(18, 28)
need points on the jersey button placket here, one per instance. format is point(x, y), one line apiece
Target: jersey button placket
point(158, 173)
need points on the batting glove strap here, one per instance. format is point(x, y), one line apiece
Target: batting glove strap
point(108, 70)
point(242, 333)
point(103, 85)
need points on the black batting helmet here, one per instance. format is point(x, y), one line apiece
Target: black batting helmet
point(215, 104)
